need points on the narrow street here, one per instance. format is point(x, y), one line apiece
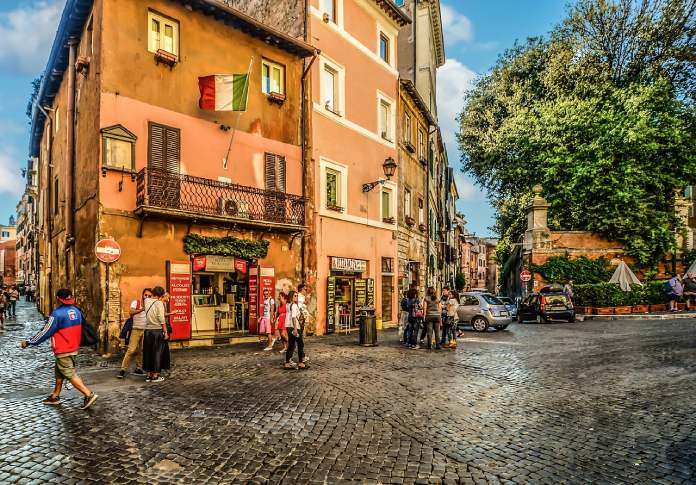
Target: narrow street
point(578, 403)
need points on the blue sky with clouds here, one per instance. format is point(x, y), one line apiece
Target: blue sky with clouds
point(476, 32)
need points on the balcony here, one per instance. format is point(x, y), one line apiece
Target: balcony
point(171, 195)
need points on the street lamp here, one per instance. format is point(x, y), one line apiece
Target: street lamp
point(389, 167)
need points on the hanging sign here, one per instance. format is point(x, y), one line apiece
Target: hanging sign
point(107, 251)
point(348, 264)
point(179, 288)
point(199, 263)
point(240, 265)
point(331, 305)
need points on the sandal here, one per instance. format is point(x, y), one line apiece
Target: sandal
point(288, 366)
point(302, 366)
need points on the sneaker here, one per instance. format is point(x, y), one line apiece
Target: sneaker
point(88, 401)
point(121, 374)
point(157, 379)
point(148, 379)
point(282, 351)
point(267, 349)
point(416, 347)
point(52, 401)
point(139, 372)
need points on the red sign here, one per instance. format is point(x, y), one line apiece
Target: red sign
point(199, 263)
point(107, 251)
point(525, 275)
point(179, 286)
point(240, 265)
point(253, 299)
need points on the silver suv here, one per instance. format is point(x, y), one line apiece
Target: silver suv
point(481, 310)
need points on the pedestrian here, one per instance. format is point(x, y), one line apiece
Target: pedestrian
point(64, 328)
point(5, 297)
point(403, 318)
point(281, 320)
point(2, 313)
point(267, 319)
point(14, 296)
point(33, 292)
point(135, 339)
point(295, 334)
point(155, 346)
point(444, 298)
point(689, 293)
point(568, 290)
point(450, 325)
point(415, 317)
point(433, 318)
point(676, 289)
point(216, 300)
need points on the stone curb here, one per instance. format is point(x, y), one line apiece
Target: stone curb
point(647, 316)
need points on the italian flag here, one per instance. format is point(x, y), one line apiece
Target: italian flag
point(224, 92)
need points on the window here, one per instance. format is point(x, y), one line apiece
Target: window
point(421, 212)
point(330, 78)
point(164, 148)
point(421, 144)
point(164, 34)
point(275, 171)
point(387, 213)
point(5, 233)
point(273, 77)
point(329, 9)
point(384, 47)
point(333, 188)
point(407, 203)
point(385, 119)
point(387, 265)
point(118, 148)
point(407, 128)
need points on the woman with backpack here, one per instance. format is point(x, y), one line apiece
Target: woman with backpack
point(295, 329)
point(415, 316)
point(155, 346)
point(433, 318)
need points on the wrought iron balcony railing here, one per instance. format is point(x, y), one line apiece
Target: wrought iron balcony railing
point(185, 194)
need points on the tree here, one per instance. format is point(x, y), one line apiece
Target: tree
point(35, 84)
point(601, 114)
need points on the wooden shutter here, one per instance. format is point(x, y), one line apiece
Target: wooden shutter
point(270, 171)
point(164, 148)
point(275, 171)
point(281, 173)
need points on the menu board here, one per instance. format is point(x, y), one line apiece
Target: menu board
point(360, 293)
point(179, 287)
point(331, 305)
point(370, 292)
point(253, 299)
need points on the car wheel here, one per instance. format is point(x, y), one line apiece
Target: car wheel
point(501, 327)
point(571, 319)
point(541, 319)
point(480, 324)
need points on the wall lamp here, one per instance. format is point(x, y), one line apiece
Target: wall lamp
point(389, 167)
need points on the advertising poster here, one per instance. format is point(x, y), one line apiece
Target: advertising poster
point(179, 288)
point(253, 299)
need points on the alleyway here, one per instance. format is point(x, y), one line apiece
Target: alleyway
point(560, 403)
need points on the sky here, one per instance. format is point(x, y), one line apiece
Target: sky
point(476, 32)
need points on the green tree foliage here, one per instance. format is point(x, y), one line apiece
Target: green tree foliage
point(35, 85)
point(601, 114)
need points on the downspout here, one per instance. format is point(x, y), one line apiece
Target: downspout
point(70, 170)
point(414, 22)
point(306, 159)
point(50, 210)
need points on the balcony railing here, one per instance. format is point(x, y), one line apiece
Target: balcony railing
point(185, 194)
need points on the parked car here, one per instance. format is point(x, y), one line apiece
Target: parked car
point(482, 310)
point(510, 305)
point(548, 304)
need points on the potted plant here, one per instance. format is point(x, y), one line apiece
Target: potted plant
point(622, 301)
point(583, 299)
point(637, 299)
point(656, 296)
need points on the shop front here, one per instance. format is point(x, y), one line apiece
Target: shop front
point(347, 292)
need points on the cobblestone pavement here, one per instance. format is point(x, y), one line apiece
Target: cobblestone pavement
point(594, 402)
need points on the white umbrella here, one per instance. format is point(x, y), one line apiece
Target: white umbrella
point(624, 277)
point(692, 268)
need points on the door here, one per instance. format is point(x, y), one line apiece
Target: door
point(468, 307)
point(387, 298)
point(527, 312)
point(164, 166)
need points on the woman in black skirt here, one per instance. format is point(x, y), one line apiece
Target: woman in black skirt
point(155, 346)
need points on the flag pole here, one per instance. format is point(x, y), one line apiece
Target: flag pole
point(239, 114)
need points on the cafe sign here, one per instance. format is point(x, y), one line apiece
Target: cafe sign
point(349, 265)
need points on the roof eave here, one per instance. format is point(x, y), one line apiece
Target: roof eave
point(394, 12)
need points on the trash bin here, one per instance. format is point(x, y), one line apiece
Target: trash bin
point(368, 326)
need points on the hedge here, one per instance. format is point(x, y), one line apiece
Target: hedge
point(225, 246)
point(610, 294)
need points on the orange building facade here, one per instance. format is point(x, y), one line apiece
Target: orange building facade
point(353, 130)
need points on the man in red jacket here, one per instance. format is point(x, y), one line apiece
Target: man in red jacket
point(64, 328)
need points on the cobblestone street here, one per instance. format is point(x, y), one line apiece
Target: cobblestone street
point(591, 402)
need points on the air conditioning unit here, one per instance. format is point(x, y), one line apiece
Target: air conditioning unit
point(234, 208)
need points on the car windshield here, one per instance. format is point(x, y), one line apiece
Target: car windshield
point(505, 300)
point(557, 299)
point(491, 300)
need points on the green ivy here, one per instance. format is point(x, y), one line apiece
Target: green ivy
point(225, 246)
point(611, 295)
point(582, 270)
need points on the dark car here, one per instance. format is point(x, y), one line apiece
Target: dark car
point(547, 304)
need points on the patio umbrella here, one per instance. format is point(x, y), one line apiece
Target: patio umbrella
point(692, 268)
point(624, 277)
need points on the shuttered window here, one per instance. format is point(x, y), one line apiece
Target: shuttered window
point(275, 172)
point(164, 148)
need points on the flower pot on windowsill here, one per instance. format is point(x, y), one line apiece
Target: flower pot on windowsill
point(335, 208)
point(622, 310)
point(410, 221)
point(421, 227)
point(388, 220)
point(277, 98)
point(164, 57)
point(640, 308)
point(658, 307)
point(609, 310)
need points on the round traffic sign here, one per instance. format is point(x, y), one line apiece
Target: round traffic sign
point(525, 275)
point(107, 251)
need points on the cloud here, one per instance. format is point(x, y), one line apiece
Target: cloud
point(11, 181)
point(457, 27)
point(454, 79)
point(26, 35)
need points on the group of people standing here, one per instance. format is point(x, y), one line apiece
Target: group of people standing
point(431, 321)
point(8, 304)
point(679, 287)
point(147, 333)
point(286, 321)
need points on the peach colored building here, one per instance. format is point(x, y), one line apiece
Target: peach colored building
point(353, 134)
point(126, 153)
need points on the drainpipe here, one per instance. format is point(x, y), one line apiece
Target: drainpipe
point(70, 170)
point(50, 210)
point(414, 22)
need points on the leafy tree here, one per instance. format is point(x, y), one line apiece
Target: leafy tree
point(601, 114)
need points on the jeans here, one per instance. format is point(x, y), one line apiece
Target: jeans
point(432, 324)
point(413, 327)
point(449, 331)
point(295, 341)
point(13, 307)
point(135, 346)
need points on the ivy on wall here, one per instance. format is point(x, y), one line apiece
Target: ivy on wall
point(582, 270)
point(225, 246)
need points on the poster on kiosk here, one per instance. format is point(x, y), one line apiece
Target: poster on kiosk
point(260, 279)
point(179, 288)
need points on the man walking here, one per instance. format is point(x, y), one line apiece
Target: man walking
point(14, 296)
point(135, 342)
point(64, 328)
